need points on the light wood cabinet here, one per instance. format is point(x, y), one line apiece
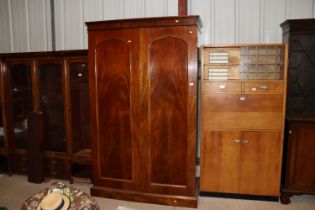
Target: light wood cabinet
point(241, 162)
point(143, 97)
point(242, 118)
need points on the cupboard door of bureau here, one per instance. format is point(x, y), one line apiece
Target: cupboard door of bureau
point(114, 108)
point(220, 161)
point(260, 161)
point(168, 97)
point(246, 162)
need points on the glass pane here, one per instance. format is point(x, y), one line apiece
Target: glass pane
point(267, 64)
point(52, 106)
point(21, 101)
point(79, 94)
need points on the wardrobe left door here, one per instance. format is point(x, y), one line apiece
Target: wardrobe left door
point(114, 90)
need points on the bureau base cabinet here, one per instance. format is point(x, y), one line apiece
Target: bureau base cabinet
point(143, 99)
point(241, 162)
point(242, 118)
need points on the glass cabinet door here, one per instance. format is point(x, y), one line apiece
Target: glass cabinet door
point(79, 104)
point(52, 105)
point(21, 102)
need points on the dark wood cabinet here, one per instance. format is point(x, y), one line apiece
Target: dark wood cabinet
point(143, 99)
point(299, 164)
point(54, 84)
point(299, 174)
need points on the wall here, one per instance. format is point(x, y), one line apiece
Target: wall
point(70, 16)
point(25, 25)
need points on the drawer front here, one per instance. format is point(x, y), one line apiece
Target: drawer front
point(241, 103)
point(237, 111)
point(263, 87)
point(221, 86)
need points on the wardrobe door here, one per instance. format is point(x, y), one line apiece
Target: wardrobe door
point(114, 108)
point(168, 101)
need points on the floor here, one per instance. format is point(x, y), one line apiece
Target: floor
point(14, 190)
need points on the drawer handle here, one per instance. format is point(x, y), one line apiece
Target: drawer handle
point(237, 141)
point(222, 86)
point(263, 87)
point(245, 141)
point(242, 98)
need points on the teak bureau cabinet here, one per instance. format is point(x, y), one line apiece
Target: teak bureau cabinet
point(242, 118)
point(143, 97)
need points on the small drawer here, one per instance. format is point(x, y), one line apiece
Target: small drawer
point(263, 87)
point(221, 86)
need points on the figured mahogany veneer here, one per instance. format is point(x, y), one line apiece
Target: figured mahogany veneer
point(143, 99)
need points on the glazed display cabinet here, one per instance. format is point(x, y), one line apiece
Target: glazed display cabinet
point(54, 84)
